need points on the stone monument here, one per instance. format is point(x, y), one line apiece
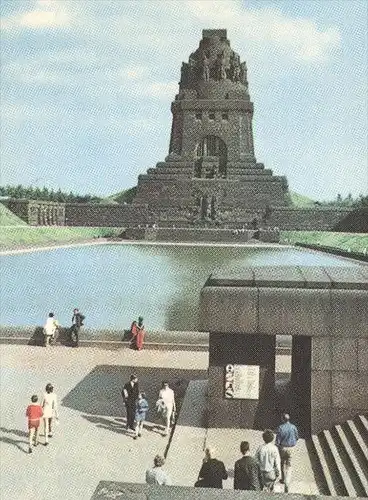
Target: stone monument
point(211, 173)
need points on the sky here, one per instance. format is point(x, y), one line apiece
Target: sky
point(86, 88)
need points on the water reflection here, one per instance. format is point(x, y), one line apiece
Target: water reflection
point(114, 283)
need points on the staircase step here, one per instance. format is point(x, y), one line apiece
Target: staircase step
point(362, 421)
point(360, 444)
point(359, 473)
point(339, 464)
point(324, 466)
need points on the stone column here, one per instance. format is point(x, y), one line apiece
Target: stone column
point(300, 393)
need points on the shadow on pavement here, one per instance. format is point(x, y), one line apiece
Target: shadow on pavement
point(99, 393)
point(15, 442)
point(16, 432)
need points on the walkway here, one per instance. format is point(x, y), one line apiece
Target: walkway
point(90, 444)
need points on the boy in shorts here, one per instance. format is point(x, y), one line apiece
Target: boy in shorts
point(34, 413)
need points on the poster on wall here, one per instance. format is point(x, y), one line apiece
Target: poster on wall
point(241, 382)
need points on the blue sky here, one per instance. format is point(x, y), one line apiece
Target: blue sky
point(87, 86)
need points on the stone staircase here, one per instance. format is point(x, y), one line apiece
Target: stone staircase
point(341, 455)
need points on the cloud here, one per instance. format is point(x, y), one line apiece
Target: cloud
point(134, 72)
point(298, 39)
point(45, 14)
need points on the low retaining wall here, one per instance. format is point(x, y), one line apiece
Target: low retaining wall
point(196, 341)
point(128, 491)
point(105, 337)
point(116, 215)
point(334, 251)
point(189, 234)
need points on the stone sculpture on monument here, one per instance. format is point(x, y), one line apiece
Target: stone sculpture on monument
point(211, 150)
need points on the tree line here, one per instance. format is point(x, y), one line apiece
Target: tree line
point(45, 194)
point(348, 201)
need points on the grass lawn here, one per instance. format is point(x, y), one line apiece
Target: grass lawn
point(7, 218)
point(357, 242)
point(29, 236)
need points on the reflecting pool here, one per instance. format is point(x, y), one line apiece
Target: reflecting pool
point(113, 284)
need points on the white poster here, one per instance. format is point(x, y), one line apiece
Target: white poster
point(242, 382)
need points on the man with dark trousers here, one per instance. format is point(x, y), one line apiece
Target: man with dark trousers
point(77, 323)
point(246, 471)
point(130, 395)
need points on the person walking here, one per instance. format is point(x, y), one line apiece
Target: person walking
point(268, 459)
point(166, 404)
point(34, 414)
point(246, 470)
point(286, 438)
point(130, 395)
point(50, 411)
point(156, 475)
point(77, 323)
point(141, 410)
point(212, 472)
point(50, 328)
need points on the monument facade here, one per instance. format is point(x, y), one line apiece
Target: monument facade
point(211, 175)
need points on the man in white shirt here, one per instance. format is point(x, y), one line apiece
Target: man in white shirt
point(167, 397)
point(268, 459)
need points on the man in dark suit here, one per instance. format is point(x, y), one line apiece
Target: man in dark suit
point(212, 472)
point(246, 470)
point(130, 395)
point(77, 323)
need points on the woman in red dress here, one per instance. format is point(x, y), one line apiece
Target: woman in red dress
point(140, 334)
point(133, 334)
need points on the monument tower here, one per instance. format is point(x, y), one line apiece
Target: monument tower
point(211, 175)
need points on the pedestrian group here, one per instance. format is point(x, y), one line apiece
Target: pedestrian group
point(46, 412)
point(136, 406)
point(271, 462)
point(52, 327)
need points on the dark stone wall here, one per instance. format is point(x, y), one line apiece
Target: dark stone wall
point(38, 212)
point(285, 218)
point(129, 491)
point(312, 219)
point(301, 383)
point(325, 309)
point(94, 215)
point(243, 350)
point(188, 234)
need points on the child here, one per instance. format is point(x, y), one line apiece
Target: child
point(50, 329)
point(34, 413)
point(140, 414)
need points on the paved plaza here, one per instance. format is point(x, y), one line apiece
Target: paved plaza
point(90, 444)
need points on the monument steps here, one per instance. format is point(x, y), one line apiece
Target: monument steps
point(342, 456)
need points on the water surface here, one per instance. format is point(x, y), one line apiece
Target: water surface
point(113, 284)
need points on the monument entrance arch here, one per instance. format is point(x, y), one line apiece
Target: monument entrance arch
point(324, 309)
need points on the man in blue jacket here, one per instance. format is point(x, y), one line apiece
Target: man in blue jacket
point(286, 438)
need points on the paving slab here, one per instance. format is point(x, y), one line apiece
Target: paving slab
point(315, 277)
point(347, 277)
point(278, 276)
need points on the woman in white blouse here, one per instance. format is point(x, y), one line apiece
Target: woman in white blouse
point(50, 411)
